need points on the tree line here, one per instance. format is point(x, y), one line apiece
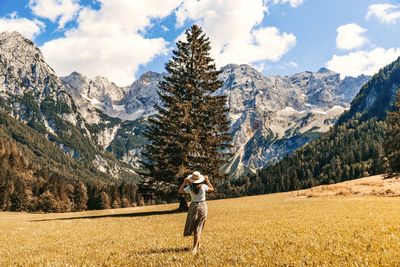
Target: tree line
point(24, 186)
point(36, 175)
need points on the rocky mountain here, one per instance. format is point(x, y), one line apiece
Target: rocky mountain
point(376, 97)
point(31, 92)
point(142, 95)
point(351, 149)
point(270, 116)
point(128, 103)
point(115, 115)
point(92, 94)
point(273, 116)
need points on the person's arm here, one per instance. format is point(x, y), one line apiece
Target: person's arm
point(210, 186)
point(183, 185)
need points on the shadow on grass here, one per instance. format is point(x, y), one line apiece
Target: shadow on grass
point(164, 250)
point(122, 215)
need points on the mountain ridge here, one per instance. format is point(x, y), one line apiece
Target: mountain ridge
point(271, 116)
point(313, 97)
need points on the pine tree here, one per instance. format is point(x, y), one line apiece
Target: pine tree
point(190, 131)
point(47, 202)
point(104, 201)
point(392, 139)
point(81, 196)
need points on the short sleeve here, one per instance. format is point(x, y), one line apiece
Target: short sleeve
point(205, 187)
point(187, 189)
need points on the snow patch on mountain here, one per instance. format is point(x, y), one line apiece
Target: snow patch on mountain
point(105, 137)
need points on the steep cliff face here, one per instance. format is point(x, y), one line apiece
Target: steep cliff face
point(142, 95)
point(93, 94)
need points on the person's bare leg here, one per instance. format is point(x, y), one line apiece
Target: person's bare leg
point(198, 242)
point(195, 243)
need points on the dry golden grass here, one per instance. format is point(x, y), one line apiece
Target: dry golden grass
point(373, 185)
point(269, 230)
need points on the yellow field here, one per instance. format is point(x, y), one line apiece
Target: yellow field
point(264, 230)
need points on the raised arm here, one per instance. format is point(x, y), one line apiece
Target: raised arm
point(183, 185)
point(210, 186)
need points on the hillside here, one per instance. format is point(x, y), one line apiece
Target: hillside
point(376, 97)
point(51, 158)
point(36, 175)
point(31, 93)
point(272, 230)
point(351, 149)
point(376, 185)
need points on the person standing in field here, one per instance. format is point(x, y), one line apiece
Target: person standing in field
point(197, 186)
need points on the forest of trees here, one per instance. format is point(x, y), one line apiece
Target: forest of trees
point(349, 151)
point(35, 175)
point(392, 139)
point(24, 186)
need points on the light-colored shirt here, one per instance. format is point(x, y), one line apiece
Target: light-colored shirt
point(201, 196)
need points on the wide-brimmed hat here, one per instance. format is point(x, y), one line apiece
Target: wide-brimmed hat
point(196, 177)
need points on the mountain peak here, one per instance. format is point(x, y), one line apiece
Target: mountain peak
point(103, 81)
point(11, 35)
point(324, 70)
point(149, 75)
point(11, 40)
point(22, 61)
point(74, 75)
point(243, 67)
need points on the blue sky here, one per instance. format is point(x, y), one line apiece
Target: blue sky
point(121, 39)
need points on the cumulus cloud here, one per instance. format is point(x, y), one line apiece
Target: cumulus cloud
point(61, 10)
point(235, 32)
point(293, 3)
point(287, 65)
point(350, 36)
point(28, 28)
point(386, 13)
point(363, 62)
point(110, 42)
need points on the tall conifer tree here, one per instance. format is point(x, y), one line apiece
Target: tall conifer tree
point(190, 131)
point(392, 139)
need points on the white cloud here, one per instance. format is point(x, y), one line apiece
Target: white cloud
point(28, 28)
point(109, 42)
point(363, 62)
point(287, 65)
point(235, 32)
point(260, 67)
point(350, 36)
point(164, 28)
point(386, 13)
point(61, 10)
point(293, 3)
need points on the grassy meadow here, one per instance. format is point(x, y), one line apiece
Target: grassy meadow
point(269, 230)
